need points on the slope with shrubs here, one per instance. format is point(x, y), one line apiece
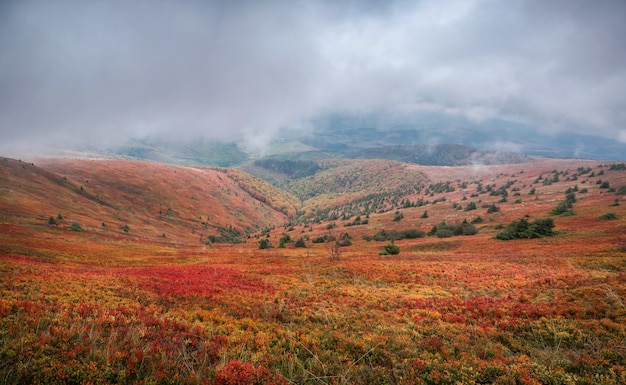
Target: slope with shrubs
point(353, 186)
point(438, 155)
point(83, 307)
point(143, 198)
point(262, 191)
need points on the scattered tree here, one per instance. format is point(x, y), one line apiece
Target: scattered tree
point(393, 235)
point(390, 249)
point(608, 216)
point(321, 239)
point(300, 243)
point(264, 243)
point(76, 227)
point(446, 230)
point(476, 220)
point(492, 208)
point(565, 207)
point(521, 228)
point(284, 239)
point(470, 206)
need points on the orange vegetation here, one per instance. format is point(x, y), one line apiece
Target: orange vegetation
point(104, 306)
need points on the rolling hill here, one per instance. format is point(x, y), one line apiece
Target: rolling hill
point(379, 272)
point(153, 200)
point(195, 204)
point(438, 155)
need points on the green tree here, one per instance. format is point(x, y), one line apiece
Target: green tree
point(541, 227)
point(446, 230)
point(413, 233)
point(478, 219)
point(521, 228)
point(608, 216)
point(76, 227)
point(492, 208)
point(565, 207)
point(465, 228)
point(390, 249)
point(284, 239)
point(470, 206)
point(264, 243)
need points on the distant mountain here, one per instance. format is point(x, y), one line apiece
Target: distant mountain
point(380, 129)
point(438, 155)
point(199, 152)
point(428, 139)
point(285, 168)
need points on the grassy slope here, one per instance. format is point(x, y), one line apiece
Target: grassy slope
point(151, 198)
point(595, 202)
point(278, 199)
point(343, 181)
point(455, 310)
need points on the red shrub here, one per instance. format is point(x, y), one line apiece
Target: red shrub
point(239, 373)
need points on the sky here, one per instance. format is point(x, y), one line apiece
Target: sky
point(112, 70)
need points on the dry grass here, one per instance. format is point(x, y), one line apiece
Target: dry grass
point(106, 306)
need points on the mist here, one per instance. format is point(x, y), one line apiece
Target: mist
point(109, 71)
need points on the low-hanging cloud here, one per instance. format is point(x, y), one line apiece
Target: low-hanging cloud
point(112, 70)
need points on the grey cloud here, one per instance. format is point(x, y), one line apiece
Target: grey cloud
point(102, 70)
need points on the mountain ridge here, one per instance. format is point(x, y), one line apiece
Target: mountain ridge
point(206, 204)
point(152, 199)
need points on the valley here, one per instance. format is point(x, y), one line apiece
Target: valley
point(127, 271)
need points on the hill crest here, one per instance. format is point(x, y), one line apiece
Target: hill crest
point(152, 199)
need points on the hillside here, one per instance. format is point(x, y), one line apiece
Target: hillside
point(198, 152)
point(438, 155)
point(108, 306)
point(143, 200)
point(349, 187)
point(454, 194)
point(187, 204)
point(423, 141)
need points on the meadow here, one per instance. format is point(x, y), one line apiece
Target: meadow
point(108, 306)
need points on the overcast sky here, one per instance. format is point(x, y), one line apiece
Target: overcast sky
point(110, 70)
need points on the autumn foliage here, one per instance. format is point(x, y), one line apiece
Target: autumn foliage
point(105, 306)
